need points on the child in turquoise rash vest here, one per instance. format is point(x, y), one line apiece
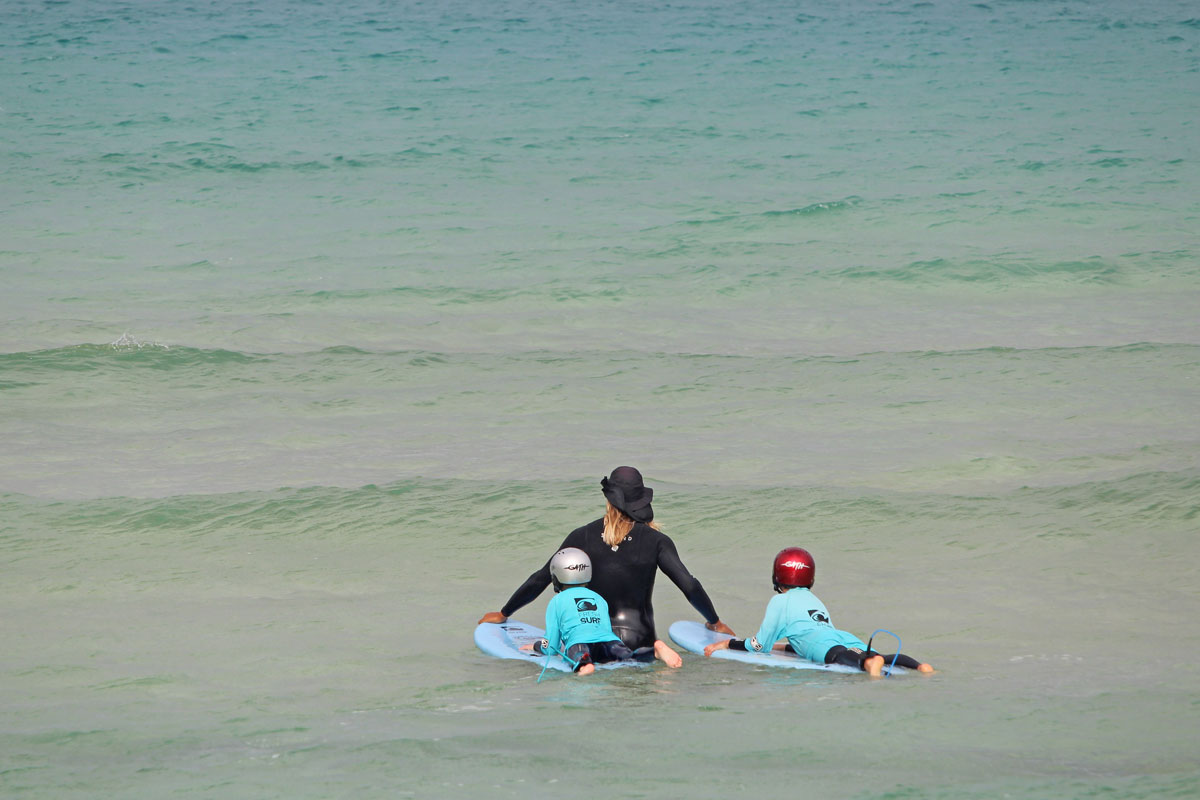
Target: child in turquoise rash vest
point(577, 624)
point(796, 614)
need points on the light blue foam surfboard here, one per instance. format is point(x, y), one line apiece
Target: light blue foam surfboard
point(694, 637)
point(504, 640)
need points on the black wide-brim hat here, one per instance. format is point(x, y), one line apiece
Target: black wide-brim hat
point(625, 490)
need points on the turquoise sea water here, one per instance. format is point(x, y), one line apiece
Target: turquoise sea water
point(321, 322)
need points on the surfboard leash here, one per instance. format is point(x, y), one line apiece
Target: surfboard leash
point(546, 663)
point(898, 647)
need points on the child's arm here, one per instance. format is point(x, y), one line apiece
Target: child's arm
point(770, 630)
point(551, 639)
point(715, 646)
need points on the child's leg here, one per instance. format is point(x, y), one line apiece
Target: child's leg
point(621, 652)
point(845, 656)
point(581, 654)
point(666, 654)
point(615, 650)
point(870, 663)
point(644, 655)
point(908, 662)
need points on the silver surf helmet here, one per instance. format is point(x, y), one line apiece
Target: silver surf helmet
point(570, 567)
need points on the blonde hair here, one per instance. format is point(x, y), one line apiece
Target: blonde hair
point(617, 525)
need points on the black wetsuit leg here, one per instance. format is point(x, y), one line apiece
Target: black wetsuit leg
point(853, 657)
point(908, 662)
point(615, 650)
point(845, 656)
point(603, 652)
point(580, 654)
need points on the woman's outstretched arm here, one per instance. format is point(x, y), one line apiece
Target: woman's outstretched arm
point(672, 566)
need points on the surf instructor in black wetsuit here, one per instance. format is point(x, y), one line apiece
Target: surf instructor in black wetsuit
point(627, 550)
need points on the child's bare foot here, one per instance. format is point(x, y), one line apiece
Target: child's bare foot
point(873, 666)
point(666, 654)
point(925, 668)
point(587, 669)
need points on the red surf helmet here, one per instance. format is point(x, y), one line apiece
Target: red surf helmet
point(794, 566)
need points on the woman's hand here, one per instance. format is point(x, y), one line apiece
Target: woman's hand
point(719, 627)
point(715, 646)
point(493, 616)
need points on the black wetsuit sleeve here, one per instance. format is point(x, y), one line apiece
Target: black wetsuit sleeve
point(536, 583)
point(673, 568)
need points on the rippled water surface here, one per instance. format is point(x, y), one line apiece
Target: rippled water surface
point(322, 322)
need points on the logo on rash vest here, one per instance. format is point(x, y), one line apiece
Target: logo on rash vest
point(817, 616)
point(585, 607)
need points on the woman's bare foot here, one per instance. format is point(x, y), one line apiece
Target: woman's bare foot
point(666, 654)
point(873, 666)
point(587, 669)
point(925, 668)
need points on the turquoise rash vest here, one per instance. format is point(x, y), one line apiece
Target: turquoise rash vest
point(799, 616)
point(577, 615)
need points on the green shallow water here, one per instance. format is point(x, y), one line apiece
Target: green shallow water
point(321, 322)
point(286, 642)
point(153, 420)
